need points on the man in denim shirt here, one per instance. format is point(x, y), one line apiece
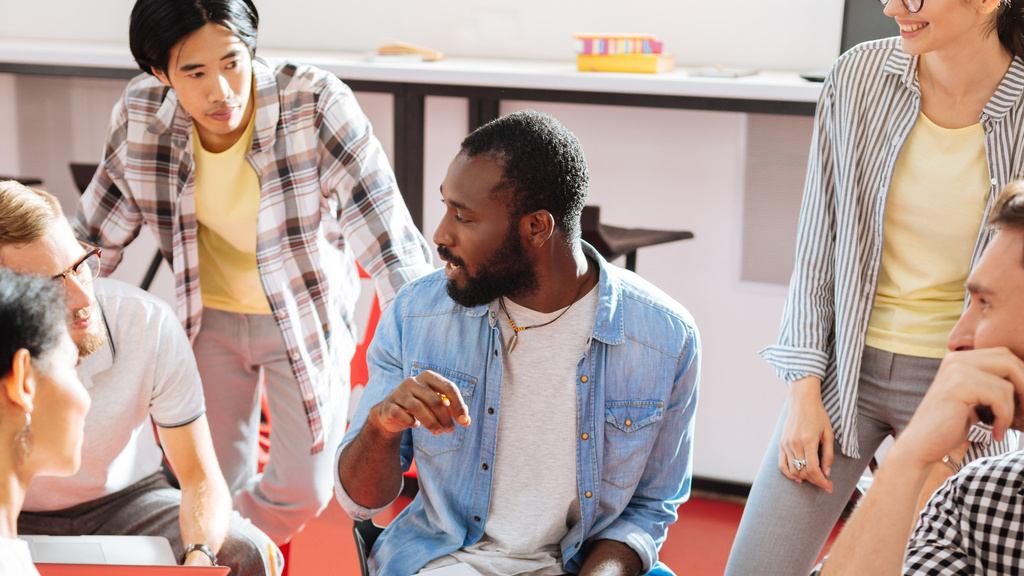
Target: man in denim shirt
point(547, 397)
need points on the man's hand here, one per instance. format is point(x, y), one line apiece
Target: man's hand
point(427, 400)
point(992, 377)
point(806, 428)
point(369, 467)
point(966, 381)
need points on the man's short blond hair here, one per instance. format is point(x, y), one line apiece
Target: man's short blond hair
point(26, 214)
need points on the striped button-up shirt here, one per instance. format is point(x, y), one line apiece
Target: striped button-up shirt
point(868, 106)
point(328, 198)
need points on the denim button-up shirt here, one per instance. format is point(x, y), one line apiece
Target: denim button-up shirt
point(636, 394)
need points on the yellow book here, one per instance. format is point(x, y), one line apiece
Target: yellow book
point(649, 63)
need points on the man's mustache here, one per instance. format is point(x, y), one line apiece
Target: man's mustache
point(447, 256)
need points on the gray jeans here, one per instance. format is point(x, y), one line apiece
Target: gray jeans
point(785, 524)
point(150, 508)
point(234, 353)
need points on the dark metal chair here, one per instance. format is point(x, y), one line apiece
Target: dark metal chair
point(365, 533)
point(612, 241)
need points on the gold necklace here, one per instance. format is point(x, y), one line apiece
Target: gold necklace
point(517, 329)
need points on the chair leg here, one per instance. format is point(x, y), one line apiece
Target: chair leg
point(631, 261)
point(154, 266)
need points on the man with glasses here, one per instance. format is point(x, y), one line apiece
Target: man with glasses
point(138, 367)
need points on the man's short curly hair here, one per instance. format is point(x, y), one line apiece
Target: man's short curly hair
point(542, 165)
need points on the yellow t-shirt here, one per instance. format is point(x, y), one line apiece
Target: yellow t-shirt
point(933, 216)
point(227, 195)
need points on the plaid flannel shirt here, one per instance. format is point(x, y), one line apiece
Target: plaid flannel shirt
point(328, 198)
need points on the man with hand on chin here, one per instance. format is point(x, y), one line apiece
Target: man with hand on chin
point(974, 524)
point(546, 396)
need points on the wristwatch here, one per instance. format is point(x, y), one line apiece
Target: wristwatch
point(200, 548)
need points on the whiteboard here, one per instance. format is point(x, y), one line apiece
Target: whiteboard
point(766, 34)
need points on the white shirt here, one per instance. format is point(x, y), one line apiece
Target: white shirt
point(15, 559)
point(534, 495)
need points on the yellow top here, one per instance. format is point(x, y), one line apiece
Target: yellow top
point(933, 216)
point(227, 193)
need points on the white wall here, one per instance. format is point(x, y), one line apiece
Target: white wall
point(759, 33)
point(680, 170)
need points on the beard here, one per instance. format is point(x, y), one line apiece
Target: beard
point(89, 342)
point(507, 272)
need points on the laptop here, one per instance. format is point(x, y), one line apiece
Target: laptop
point(113, 555)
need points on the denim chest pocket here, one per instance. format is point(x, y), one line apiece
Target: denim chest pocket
point(629, 433)
point(423, 440)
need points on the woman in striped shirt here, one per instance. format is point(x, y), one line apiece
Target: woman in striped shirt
point(914, 137)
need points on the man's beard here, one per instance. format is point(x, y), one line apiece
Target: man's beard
point(507, 272)
point(90, 341)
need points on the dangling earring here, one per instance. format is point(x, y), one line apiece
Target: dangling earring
point(24, 441)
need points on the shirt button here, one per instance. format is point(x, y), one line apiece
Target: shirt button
point(629, 422)
point(309, 396)
point(495, 351)
point(993, 181)
point(588, 493)
point(295, 356)
point(476, 518)
point(584, 379)
point(490, 410)
point(585, 436)
point(484, 466)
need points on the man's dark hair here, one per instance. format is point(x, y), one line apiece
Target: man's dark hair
point(157, 25)
point(542, 165)
point(31, 316)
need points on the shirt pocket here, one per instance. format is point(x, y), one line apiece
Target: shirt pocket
point(629, 434)
point(424, 440)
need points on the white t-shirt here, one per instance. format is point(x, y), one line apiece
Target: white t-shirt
point(15, 559)
point(534, 491)
point(145, 369)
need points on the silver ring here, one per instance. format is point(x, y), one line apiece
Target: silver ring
point(798, 464)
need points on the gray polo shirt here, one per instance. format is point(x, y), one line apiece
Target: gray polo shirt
point(146, 369)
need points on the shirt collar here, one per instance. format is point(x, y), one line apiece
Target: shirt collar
point(268, 105)
point(608, 324)
point(903, 65)
point(1006, 95)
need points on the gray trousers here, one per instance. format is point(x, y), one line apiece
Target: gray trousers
point(234, 353)
point(785, 524)
point(150, 508)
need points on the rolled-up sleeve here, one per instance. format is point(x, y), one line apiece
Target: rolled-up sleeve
point(386, 373)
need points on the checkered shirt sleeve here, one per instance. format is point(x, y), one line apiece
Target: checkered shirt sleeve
point(974, 524)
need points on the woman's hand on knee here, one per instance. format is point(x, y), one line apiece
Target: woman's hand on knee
point(806, 435)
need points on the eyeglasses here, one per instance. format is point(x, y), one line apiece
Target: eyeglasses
point(87, 267)
point(912, 6)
